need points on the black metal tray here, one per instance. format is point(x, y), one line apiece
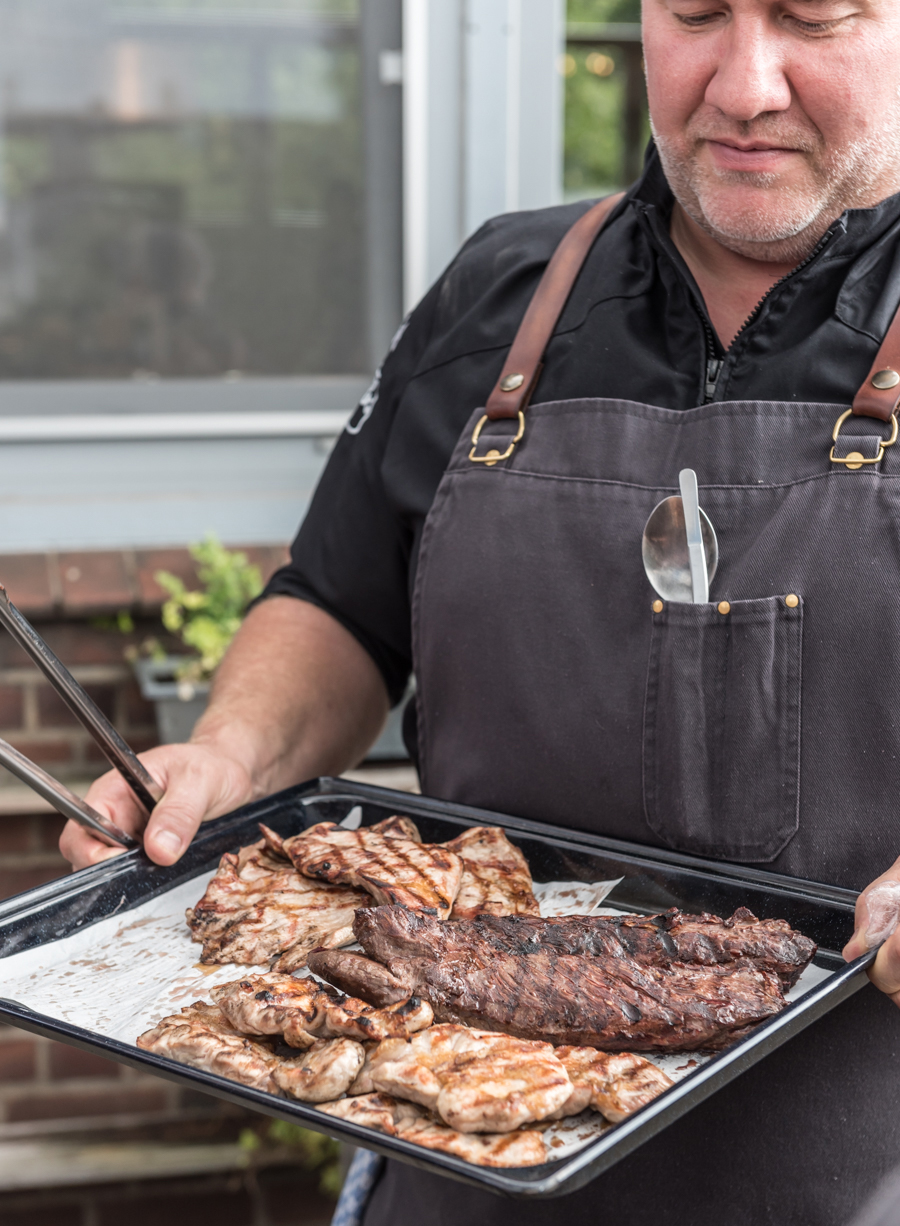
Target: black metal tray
point(653, 880)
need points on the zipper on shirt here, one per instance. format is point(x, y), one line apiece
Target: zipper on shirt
point(713, 367)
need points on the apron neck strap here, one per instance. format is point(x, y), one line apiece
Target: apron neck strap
point(522, 367)
point(879, 396)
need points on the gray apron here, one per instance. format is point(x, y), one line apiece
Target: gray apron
point(760, 728)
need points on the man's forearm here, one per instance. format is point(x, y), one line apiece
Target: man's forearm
point(295, 696)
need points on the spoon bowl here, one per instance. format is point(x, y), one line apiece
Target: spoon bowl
point(664, 549)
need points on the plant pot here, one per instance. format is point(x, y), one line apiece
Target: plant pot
point(179, 704)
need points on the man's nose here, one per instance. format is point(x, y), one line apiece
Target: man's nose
point(750, 77)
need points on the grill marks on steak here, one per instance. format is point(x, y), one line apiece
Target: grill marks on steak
point(388, 860)
point(258, 908)
point(661, 940)
point(496, 879)
point(599, 1001)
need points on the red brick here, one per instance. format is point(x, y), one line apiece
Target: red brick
point(53, 712)
point(49, 827)
point(138, 711)
point(204, 1208)
point(52, 752)
point(27, 579)
point(16, 833)
point(99, 1102)
point(177, 561)
point(76, 643)
point(53, 1215)
point(96, 580)
point(10, 706)
point(67, 1062)
point(17, 1060)
point(17, 880)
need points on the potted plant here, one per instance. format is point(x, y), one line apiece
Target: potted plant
point(205, 620)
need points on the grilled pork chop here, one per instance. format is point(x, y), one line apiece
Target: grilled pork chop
point(496, 879)
point(200, 1035)
point(476, 1081)
point(388, 860)
point(613, 1083)
point(258, 908)
point(302, 1011)
point(656, 940)
point(400, 1119)
point(598, 1001)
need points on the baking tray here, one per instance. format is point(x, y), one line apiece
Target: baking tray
point(652, 879)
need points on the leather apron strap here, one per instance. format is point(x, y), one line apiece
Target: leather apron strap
point(522, 367)
point(878, 397)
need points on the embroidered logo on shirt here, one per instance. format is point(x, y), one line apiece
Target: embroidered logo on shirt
point(364, 409)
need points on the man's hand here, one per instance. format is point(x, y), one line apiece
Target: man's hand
point(198, 783)
point(877, 920)
point(296, 696)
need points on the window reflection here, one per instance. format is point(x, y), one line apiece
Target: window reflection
point(181, 189)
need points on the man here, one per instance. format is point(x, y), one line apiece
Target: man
point(730, 310)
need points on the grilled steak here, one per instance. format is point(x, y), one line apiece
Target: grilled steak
point(495, 880)
point(658, 940)
point(400, 1119)
point(258, 908)
point(476, 1081)
point(302, 1011)
point(613, 1083)
point(587, 1000)
point(388, 860)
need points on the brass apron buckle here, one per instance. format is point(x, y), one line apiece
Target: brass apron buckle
point(856, 459)
point(494, 456)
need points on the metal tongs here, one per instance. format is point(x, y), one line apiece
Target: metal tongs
point(118, 753)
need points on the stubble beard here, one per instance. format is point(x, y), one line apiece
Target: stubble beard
point(787, 226)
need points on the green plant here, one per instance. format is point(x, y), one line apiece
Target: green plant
point(314, 1151)
point(207, 620)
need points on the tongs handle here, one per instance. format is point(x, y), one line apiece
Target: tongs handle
point(64, 801)
point(118, 753)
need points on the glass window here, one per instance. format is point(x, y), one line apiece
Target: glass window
point(181, 188)
point(606, 102)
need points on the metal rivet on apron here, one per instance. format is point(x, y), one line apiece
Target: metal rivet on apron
point(512, 382)
point(854, 460)
point(792, 601)
point(658, 606)
point(885, 379)
point(724, 607)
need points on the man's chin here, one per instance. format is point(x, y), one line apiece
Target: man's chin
point(759, 224)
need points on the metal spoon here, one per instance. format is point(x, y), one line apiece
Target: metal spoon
point(664, 548)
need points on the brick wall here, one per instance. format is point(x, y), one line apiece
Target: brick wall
point(47, 1089)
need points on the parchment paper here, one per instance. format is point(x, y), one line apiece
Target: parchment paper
point(121, 976)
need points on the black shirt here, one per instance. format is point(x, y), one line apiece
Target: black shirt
point(634, 328)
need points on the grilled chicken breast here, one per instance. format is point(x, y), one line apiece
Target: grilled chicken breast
point(302, 1011)
point(476, 1081)
point(400, 1119)
point(495, 879)
point(201, 1036)
point(258, 908)
point(322, 1073)
point(388, 860)
point(613, 1083)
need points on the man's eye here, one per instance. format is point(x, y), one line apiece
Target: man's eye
point(696, 20)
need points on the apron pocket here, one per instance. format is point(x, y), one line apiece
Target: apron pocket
point(722, 727)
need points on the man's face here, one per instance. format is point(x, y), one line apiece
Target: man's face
point(773, 116)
